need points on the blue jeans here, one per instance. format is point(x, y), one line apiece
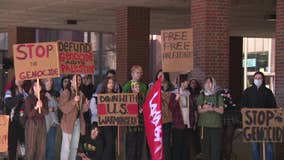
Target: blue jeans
point(256, 151)
point(75, 140)
point(50, 152)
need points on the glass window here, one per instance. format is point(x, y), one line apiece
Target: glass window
point(259, 55)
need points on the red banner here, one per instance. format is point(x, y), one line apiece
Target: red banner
point(152, 110)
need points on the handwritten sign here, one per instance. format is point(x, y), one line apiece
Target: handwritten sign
point(263, 125)
point(51, 59)
point(4, 125)
point(166, 113)
point(177, 50)
point(76, 58)
point(118, 109)
point(36, 60)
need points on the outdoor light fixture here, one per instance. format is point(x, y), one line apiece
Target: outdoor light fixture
point(271, 18)
point(71, 22)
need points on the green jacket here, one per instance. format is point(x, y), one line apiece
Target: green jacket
point(127, 88)
point(210, 119)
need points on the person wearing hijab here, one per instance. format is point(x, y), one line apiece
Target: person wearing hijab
point(210, 109)
point(259, 96)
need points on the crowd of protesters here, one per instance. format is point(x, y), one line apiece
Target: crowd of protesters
point(62, 124)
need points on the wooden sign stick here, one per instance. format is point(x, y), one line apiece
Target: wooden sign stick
point(202, 133)
point(118, 141)
point(263, 150)
point(76, 92)
point(38, 93)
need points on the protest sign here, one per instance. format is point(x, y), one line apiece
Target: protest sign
point(4, 125)
point(36, 60)
point(52, 59)
point(76, 58)
point(177, 50)
point(118, 109)
point(263, 125)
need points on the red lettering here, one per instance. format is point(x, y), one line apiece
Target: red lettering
point(40, 52)
point(30, 49)
point(39, 74)
point(23, 53)
point(49, 49)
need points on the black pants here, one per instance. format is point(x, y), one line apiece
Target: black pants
point(228, 132)
point(182, 139)
point(212, 143)
point(16, 134)
point(167, 134)
point(109, 134)
point(134, 145)
point(196, 142)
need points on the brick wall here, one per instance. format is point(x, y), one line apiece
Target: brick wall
point(279, 56)
point(133, 29)
point(18, 35)
point(210, 22)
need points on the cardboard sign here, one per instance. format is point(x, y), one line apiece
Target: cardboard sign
point(118, 109)
point(4, 125)
point(177, 50)
point(263, 125)
point(51, 59)
point(76, 58)
point(36, 60)
point(166, 113)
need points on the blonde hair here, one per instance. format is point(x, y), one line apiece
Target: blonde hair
point(134, 83)
point(136, 67)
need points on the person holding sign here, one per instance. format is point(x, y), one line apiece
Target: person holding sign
point(35, 124)
point(183, 113)
point(109, 132)
point(210, 108)
point(135, 134)
point(259, 96)
point(73, 104)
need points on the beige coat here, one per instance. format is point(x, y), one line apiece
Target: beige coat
point(68, 106)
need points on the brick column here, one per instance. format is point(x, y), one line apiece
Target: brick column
point(132, 43)
point(279, 56)
point(236, 73)
point(18, 35)
point(210, 22)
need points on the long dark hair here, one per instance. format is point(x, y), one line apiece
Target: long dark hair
point(105, 82)
point(167, 78)
point(197, 89)
point(42, 92)
point(68, 85)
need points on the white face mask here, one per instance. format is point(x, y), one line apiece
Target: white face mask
point(258, 82)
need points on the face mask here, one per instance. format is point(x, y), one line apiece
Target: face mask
point(258, 82)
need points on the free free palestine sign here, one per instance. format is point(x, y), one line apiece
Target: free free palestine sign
point(177, 50)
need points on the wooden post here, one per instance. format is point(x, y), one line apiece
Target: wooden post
point(263, 150)
point(202, 133)
point(38, 93)
point(118, 141)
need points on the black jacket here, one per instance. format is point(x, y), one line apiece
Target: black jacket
point(258, 98)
